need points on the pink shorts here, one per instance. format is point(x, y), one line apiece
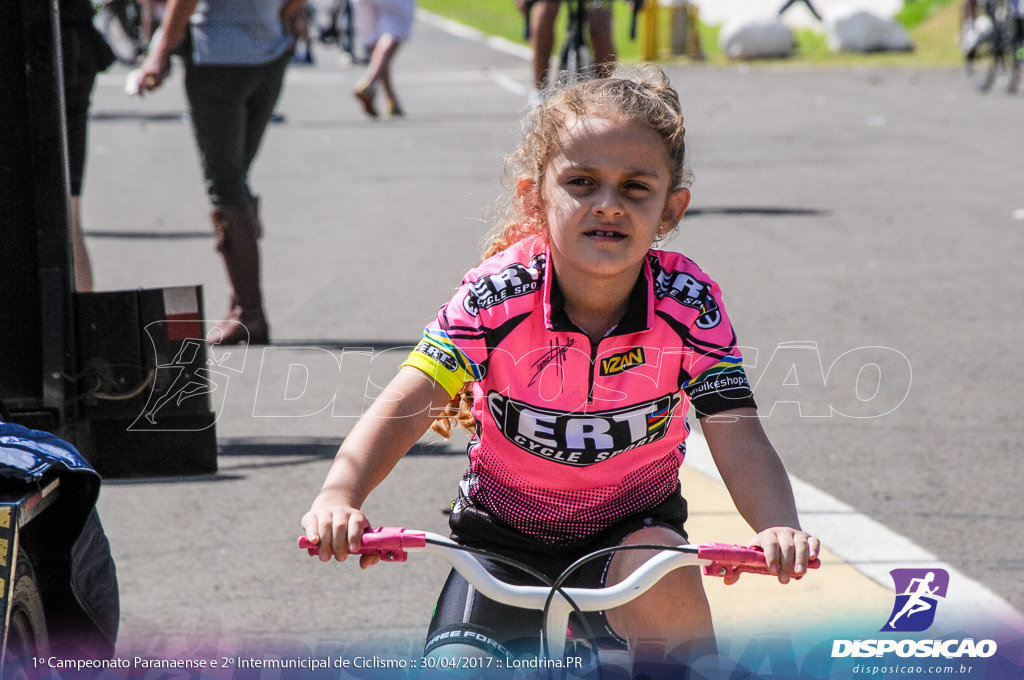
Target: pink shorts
point(377, 18)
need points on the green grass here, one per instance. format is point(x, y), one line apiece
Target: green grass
point(933, 26)
point(916, 12)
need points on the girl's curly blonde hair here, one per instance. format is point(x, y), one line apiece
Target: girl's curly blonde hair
point(644, 96)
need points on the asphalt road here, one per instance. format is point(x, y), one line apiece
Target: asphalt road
point(866, 224)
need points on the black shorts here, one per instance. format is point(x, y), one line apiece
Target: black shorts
point(464, 616)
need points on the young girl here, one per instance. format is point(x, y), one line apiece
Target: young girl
point(575, 351)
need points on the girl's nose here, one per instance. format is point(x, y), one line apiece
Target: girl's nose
point(607, 202)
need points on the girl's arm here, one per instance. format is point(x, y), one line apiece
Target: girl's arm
point(760, 488)
point(388, 429)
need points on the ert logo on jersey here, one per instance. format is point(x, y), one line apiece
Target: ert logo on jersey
point(687, 291)
point(510, 282)
point(581, 439)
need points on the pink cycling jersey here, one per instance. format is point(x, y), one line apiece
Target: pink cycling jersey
point(573, 436)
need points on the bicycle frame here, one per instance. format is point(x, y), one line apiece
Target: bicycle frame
point(718, 559)
point(997, 55)
point(574, 57)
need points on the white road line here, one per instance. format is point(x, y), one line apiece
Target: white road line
point(874, 549)
point(458, 30)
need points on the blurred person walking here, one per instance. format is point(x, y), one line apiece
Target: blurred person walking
point(235, 54)
point(383, 25)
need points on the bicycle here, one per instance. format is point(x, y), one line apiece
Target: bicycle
point(575, 59)
point(558, 603)
point(340, 30)
point(999, 49)
point(122, 24)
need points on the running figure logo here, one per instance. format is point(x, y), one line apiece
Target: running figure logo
point(917, 595)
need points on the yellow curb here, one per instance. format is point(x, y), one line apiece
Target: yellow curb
point(760, 604)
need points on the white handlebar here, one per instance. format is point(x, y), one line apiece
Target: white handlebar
point(535, 597)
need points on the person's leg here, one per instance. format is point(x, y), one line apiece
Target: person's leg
point(79, 74)
point(219, 102)
point(602, 40)
point(466, 624)
point(970, 11)
point(671, 622)
point(266, 91)
point(542, 39)
point(813, 11)
point(83, 265)
point(383, 54)
point(366, 14)
point(397, 20)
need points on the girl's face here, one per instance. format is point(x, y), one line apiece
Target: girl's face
point(605, 195)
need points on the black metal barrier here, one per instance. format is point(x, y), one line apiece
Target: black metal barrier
point(121, 375)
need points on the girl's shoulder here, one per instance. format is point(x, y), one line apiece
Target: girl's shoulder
point(670, 261)
point(529, 253)
point(505, 284)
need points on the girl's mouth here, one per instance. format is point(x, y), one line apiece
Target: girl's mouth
point(606, 233)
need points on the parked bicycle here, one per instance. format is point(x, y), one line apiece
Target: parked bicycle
point(121, 23)
point(561, 636)
point(340, 30)
point(999, 48)
point(576, 56)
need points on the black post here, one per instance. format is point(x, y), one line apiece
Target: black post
point(36, 324)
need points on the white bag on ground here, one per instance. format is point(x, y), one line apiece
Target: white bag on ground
point(766, 38)
point(851, 29)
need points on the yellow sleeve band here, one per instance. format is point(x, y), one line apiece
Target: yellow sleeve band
point(451, 381)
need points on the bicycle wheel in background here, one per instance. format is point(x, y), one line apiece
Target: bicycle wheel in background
point(575, 61)
point(120, 22)
point(997, 56)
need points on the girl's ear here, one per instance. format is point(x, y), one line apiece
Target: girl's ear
point(675, 207)
point(528, 194)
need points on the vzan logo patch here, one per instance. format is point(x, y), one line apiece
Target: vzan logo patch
point(580, 439)
point(687, 291)
point(510, 282)
point(623, 361)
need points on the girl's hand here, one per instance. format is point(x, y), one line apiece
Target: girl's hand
point(787, 552)
point(337, 528)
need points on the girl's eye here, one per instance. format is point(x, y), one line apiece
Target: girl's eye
point(636, 187)
point(579, 182)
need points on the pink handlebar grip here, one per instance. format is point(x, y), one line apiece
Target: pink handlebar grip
point(727, 560)
point(388, 542)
